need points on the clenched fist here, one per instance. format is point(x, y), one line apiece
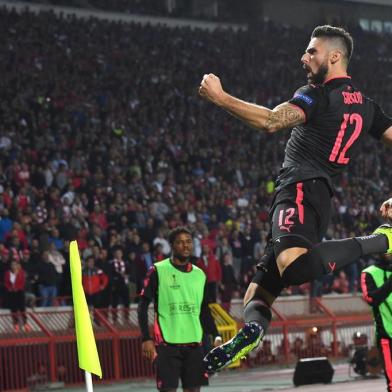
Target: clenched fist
point(386, 209)
point(211, 89)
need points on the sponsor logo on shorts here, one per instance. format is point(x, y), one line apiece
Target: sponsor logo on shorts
point(286, 228)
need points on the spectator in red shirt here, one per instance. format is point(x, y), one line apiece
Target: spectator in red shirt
point(158, 254)
point(211, 267)
point(94, 281)
point(22, 199)
point(19, 233)
point(22, 175)
point(14, 283)
point(98, 217)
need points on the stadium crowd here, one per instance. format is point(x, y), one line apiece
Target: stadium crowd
point(105, 140)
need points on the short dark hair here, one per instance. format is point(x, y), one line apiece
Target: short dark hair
point(176, 231)
point(339, 33)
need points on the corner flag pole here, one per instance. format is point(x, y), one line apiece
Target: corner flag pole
point(89, 381)
point(87, 348)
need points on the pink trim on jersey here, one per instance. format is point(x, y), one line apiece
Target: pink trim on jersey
point(146, 280)
point(158, 336)
point(386, 352)
point(365, 293)
point(298, 107)
point(299, 200)
point(337, 77)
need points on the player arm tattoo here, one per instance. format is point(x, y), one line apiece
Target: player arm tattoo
point(284, 116)
point(259, 117)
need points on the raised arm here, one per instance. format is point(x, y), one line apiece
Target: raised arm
point(259, 117)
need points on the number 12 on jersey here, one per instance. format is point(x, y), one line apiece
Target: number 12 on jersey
point(338, 153)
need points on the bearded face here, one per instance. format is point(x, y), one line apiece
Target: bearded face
point(317, 76)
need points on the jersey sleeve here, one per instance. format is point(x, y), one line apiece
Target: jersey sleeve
point(381, 122)
point(150, 284)
point(146, 296)
point(308, 99)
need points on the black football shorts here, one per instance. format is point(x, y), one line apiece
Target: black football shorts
point(299, 217)
point(185, 363)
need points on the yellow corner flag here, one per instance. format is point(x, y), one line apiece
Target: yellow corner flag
point(87, 348)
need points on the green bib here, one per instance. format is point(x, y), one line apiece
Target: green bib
point(379, 276)
point(180, 295)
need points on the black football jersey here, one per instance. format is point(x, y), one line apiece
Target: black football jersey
point(338, 115)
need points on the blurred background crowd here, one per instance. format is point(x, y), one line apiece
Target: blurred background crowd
point(104, 139)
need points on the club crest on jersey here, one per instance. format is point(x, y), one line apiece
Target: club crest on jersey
point(304, 98)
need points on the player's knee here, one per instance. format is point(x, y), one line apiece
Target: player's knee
point(258, 311)
point(289, 248)
point(287, 256)
point(255, 291)
point(250, 292)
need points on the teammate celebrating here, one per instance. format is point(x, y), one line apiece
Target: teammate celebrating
point(328, 116)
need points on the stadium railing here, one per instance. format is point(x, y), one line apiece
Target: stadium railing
point(47, 353)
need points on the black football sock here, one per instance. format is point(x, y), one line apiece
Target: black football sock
point(259, 312)
point(373, 243)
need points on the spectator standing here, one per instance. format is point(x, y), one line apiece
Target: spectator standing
point(119, 281)
point(224, 249)
point(102, 262)
point(47, 280)
point(211, 267)
point(146, 256)
point(14, 283)
point(58, 261)
point(228, 284)
point(94, 282)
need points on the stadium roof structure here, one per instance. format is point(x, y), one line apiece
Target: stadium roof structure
point(371, 2)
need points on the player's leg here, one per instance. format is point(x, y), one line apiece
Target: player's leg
point(261, 293)
point(302, 217)
point(265, 287)
point(193, 373)
point(168, 368)
point(299, 265)
point(386, 350)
